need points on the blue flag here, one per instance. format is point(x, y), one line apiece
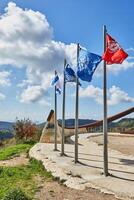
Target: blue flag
point(56, 82)
point(69, 74)
point(87, 64)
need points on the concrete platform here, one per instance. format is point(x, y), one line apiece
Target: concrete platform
point(88, 173)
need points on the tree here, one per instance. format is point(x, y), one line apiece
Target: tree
point(24, 129)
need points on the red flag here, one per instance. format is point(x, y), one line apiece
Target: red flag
point(114, 54)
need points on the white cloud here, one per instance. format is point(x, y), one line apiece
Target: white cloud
point(115, 69)
point(115, 95)
point(4, 78)
point(118, 96)
point(43, 102)
point(130, 49)
point(2, 96)
point(32, 94)
point(24, 25)
point(91, 92)
point(24, 83)
point(27, 40)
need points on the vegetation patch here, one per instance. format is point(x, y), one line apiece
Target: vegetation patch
point(21, 182)
point(24, 177)
point(11, 151)
point(16, 194)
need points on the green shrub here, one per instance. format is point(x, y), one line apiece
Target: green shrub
point(30, 142)
point(16, 194)
point(1, 170)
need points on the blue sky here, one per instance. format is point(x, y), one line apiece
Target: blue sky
point(33, 44)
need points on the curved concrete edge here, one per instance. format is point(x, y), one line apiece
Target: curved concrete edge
point(58, 166)
point(64, 176)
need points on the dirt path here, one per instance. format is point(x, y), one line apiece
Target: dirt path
point(55, 191)
point(52, 190)
point(16, 161)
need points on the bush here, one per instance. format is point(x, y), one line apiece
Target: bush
point(24, 129)
point(30, 142)
point(16, 194)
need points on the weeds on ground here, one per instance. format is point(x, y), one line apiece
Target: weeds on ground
point(15, 150)
point(23, 176)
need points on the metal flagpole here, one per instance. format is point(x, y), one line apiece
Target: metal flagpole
point(55, 121)
point(63, 114)
point(76, 110)
point(105, 148)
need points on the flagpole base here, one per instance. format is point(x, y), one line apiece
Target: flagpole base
point(106, 174)
point(63, 154)
point(76, 161)
point(55, 150)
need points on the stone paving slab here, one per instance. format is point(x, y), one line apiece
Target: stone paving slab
point(88, 173)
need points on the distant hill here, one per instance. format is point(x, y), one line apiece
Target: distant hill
point(6, 125)
point(125, 123)
point(41, 126)
point(6, 130)
point(71, 122)
point(7, 135)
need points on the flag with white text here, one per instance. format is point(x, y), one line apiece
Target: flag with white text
point(87, 64)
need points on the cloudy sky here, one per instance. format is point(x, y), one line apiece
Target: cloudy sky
point(36, 36)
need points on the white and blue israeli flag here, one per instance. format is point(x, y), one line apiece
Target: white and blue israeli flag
point(56, 82)
point(87, 64)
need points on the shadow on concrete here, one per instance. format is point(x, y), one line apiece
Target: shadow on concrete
point(127, 161)
point(110, 169)
point(121, 178)
point(92, 155)
point(124, 161)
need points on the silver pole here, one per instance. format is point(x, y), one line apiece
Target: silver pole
point(55, 121)
point(76, 111)
point(105, 149)
point(63, 114)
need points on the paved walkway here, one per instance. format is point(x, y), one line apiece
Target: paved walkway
point(88, 173)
